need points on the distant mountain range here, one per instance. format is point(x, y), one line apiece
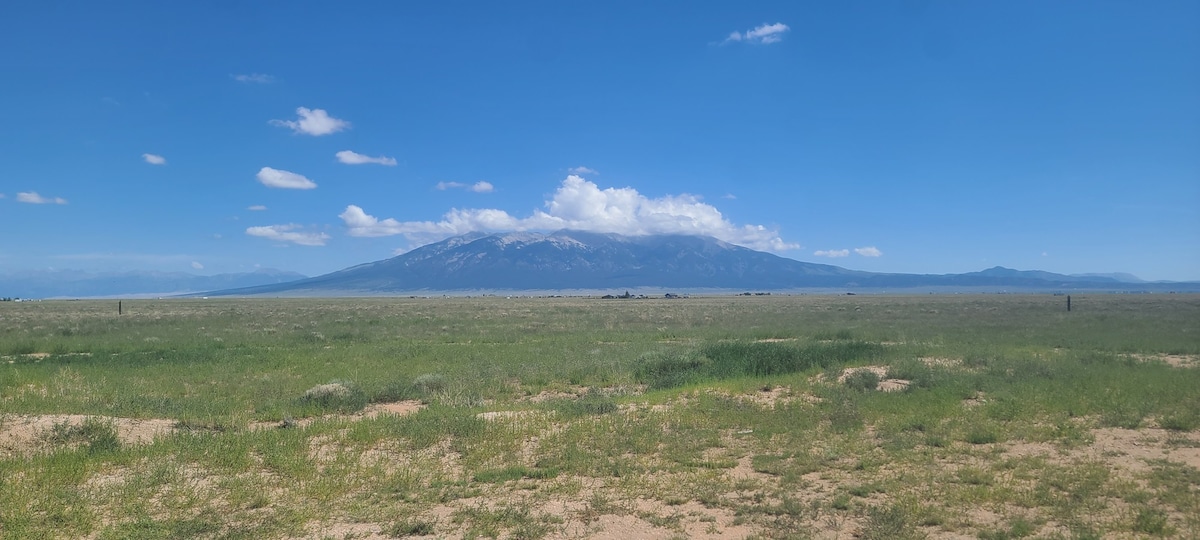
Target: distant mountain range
point(78, 284)
point(584, 261)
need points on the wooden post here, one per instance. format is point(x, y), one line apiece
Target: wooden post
point(118, 307)
point(1068, 302)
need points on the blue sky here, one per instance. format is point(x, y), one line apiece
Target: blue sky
point(915, 136)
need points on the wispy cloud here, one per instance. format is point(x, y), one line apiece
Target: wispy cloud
point(764, 34)
point(197, 265)
point(253, 78)
point(582, 205)
point(290, 232)
point(869, 251)
point(581, 170)
point(832, 253)
point(154, 159)
point(256, 208)
point(284, 179)
point(729, 196)
point(2, 195)
point(477, 187)
point(313, 122)
point(354, 158)
point(32, 197)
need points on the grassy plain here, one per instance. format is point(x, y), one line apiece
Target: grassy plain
point(767, 417)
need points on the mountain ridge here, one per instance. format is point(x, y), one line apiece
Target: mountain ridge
point(589, 261)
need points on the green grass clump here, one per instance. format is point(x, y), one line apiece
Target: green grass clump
point(590, 404)
point(863, 380)
point(95, 435)
point(726, 360)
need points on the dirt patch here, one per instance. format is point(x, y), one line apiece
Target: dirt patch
point(934, 361)
point(493, 416)
point(1173, 360)
point(399, 408)
point(374, 410)
point(893, 385)
point(881, 371)
point(25, 434)
point(774, 340)
point(1128, 449)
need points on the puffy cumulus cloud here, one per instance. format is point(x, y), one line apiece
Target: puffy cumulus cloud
point(197, 265)
point(483, 187)
point(581, 170)
point(354, 158)
point(154, 159)
point(290, 232)
point(360, 223)
point(253, 78)
point(313, 122)
point(256, 208)
point(763, 34)
point(833, 253)
point(277, 178)
point(869, 251)
point(582, 205)
point(32, 197)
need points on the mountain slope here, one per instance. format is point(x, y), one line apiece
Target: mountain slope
point(77, 284)
point(574, 260)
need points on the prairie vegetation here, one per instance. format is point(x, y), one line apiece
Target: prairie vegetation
point(726, 417)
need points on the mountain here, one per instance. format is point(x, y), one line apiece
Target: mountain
point(1119, 276)
point(79, 284)
point(575, 260)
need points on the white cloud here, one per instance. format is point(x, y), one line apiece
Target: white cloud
point(314, 122)
point(869, 251)
point(764, 34)
point(256, 208)
point(253, 78)
point(154, 159)
point(729, 196)
point(32, 197)
point(289, 233)
point(362, 224)
point(197, 265)
point(581, 170)
point(832, 253)
point(477, 187)
point(353, 158)
point(580, 204)
point(284, 179)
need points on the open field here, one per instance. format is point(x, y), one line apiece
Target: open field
point(973, 416)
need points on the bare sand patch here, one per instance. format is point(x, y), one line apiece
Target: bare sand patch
point(1129, 449)
point(1173, 360)
point(26, 433)
point(374, 410)
point(935, 361)
point(893, 385)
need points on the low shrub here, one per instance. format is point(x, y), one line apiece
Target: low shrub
point(863, 380)
point(340, 396)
